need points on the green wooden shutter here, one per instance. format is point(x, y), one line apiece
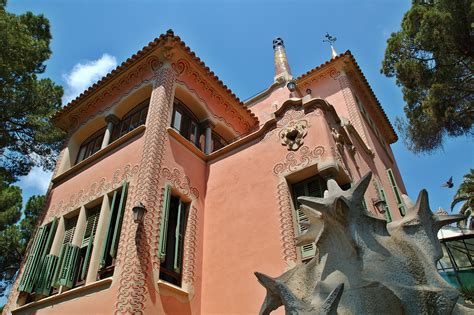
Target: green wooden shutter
point(164, 222)
point(47, 274)
point(40, 268)
point(27, 281)
point(108, 235)
point(88, 239)
point(179, 235)
point(314, 188)
point(118, 221)
point(68, 266)
point(396, 192)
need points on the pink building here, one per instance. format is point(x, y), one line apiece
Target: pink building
point(217, 180)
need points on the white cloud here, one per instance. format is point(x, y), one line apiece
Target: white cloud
point(37, 180)
point(85, 74)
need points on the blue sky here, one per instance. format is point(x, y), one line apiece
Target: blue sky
point(234, 38)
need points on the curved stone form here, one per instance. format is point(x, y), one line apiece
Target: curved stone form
point(385, 268)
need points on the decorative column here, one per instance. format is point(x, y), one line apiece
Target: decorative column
point(282, 68)
point(354, 115)
point(99, 240)
point(80, 227)
point(111, 120)
point(138, 259)
point(208, 125)
point(58, 238)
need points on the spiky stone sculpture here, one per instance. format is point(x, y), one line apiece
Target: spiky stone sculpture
point(385, 268)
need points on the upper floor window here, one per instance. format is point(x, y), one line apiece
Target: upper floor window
point(185, 122)
point(171, 244)
point(312, 187)
point(136, 117)
point(217, 142)
point(90, 146)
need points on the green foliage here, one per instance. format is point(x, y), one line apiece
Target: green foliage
point(14, 236)
point(432, 60)
point(465, 194)
point(27, 136)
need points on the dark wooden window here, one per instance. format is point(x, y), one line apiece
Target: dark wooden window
point(90, 146)
point(136, 117)
point(313, 187)
point(186, 123)
point(217, 142)
point(172, 238)
point(110, 245)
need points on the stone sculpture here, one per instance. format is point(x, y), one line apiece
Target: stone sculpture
point(384, 268)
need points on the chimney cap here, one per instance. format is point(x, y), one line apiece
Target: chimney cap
point(278, 42)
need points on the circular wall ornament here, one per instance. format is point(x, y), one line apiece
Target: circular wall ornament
point(292, 135)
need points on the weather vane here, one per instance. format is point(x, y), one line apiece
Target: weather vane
point(331, 40)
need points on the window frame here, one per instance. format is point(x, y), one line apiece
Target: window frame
point(193, 134)
point(96, 138)
point(171, 249)
point(141, 109)
point(307, 251)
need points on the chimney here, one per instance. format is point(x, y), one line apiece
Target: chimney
point(282, 69)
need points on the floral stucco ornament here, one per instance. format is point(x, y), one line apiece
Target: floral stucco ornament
point(293, 134)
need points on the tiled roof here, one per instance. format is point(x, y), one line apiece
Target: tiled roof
point(349, 55)
point(135, 58)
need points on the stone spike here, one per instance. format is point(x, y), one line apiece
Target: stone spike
point(360, 187)
point(408, 202)
point(329, 306)
point(422, 202)
point(442, 220)
point(272, 299)
point(319, 204)
point(333, 187)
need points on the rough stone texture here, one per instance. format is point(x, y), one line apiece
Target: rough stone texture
point(385, 268)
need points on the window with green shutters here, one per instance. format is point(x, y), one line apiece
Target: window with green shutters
point(396, 192)
point(381, 196)
point(109, 247)
point(313, 187)
point(87, 245)
point(38, 263)
point(173, 225)
point(66, 266)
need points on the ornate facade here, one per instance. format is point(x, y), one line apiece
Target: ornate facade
point(217, 179)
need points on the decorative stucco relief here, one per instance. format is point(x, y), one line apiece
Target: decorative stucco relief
point(295, 161)
point(220, 118)
point(292, 135)
point(183, 184)
point(140, 247)
point(340, 159)
point(136, 78)
point(183, 67)
point(95, 190)
point(331, 72)
point(287, 233)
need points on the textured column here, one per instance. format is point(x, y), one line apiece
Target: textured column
point(354, 115)
point(140, 249)
point(58, 238)
point(111, 121)
point(282, 68)
point(98, 240)
point(208, 125)
point(80, 227)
